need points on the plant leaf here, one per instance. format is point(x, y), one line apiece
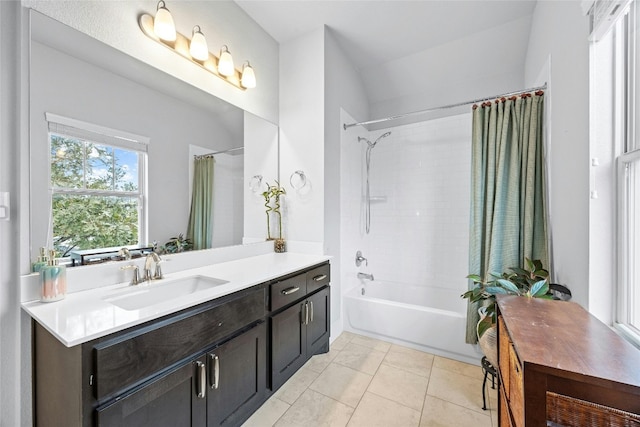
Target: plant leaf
point(484, 325)
point(539, 288)
point(495, 290)
point(475, 277)
point(530, 264)
point(509, 286)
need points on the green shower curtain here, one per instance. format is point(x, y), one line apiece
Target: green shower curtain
point(508, 214)
point(200, 225)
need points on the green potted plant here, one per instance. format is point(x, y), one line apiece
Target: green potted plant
point(177, 244)
point(272, 204)
point(530, 281)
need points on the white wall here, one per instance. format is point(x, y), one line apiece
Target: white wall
point(453, 74)
point(222, 22)
point(559, 31)
point(302, 135)
point(344, 90)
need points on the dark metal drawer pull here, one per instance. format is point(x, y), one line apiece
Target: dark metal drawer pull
point(320, 278)
point(290, 290)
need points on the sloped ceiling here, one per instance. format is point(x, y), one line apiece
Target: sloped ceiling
point(410, 47)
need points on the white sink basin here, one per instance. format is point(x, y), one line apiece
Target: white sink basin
point(146, 295)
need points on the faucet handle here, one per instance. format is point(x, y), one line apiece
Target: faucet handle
point(136, 275)
point(360, 258)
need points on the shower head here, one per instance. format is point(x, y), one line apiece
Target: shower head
point(373, 144)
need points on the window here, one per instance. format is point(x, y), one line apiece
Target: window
point(97, 188)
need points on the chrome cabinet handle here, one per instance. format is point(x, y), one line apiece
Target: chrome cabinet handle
point(215, 371)
point(311, 316)
point(304, 318)
point(290, 290)
point(202, 376)
point(320, 278)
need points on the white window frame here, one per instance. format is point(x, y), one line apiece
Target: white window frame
point(89, 132)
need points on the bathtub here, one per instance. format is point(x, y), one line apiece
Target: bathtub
point(430, 319)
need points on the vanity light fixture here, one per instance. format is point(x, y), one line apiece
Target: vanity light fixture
point(225, 64)
point(248, 79)
point(162, 30)
point(198, 47)
point(163, 24)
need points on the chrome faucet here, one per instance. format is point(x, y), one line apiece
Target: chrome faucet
point(135, 279)
point(366, 276)
point(124, 253)
point(155, 259)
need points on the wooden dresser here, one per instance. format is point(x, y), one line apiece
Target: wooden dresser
point(560, 366)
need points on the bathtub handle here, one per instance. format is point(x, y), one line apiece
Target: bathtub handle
point(320, 278)
point(290, 290)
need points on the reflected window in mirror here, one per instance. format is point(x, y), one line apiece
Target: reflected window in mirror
point(97, 190)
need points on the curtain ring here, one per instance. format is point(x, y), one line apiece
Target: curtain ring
point(255, 183)
point(300, 182)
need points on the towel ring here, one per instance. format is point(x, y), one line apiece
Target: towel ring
point(255, 183)
point(298, 180)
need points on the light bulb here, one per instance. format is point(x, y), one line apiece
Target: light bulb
point(225, 63)
point(198, 46)
point(248, 79)
point(163, 24)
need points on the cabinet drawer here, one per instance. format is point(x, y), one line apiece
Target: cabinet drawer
point(132, 358)
point(516, 394)
point(503, 354)
point(288, 291)
point(318, 278)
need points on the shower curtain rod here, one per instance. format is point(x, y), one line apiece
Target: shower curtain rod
point(444, 107)
point(202, 156)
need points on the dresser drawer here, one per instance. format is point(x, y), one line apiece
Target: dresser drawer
point(516, 393)
point(503, 354)
point(318, 278)
point(288, 291)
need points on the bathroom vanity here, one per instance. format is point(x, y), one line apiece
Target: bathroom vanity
point(210, 364)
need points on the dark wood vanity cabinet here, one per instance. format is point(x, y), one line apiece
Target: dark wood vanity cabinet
point(300, 327)
point(209, 365)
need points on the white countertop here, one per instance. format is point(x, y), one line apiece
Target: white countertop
point(84, 316)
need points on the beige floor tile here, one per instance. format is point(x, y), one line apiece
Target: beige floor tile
point(363, 359)
point(268, 413)
point(456, 388)
point(439, 413)
point(313, 409)
point(400, 386)
point(341, 383)
point(371, 343)
point(319, 362)
point(459, 367)
point(414, 361)
point(342, 340)
point(296, 385)
point(374, 410)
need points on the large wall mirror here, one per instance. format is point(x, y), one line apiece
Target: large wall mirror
point(79, 82)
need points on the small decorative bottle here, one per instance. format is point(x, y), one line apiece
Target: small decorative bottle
point(53, 278)
point(42, 261)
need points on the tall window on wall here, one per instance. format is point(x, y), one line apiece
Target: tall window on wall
point(616, 32)
point(97, 178)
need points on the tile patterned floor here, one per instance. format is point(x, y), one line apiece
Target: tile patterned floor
point(367, 382)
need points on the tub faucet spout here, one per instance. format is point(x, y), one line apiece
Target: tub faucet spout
point(365, 276)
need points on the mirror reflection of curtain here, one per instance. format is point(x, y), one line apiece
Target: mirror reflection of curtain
point(508, 213)
point(200, 225)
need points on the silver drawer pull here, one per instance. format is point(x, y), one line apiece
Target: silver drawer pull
point(320, 278)
point(202, 379)
point(311, 311)
point(215, 369)
point(290, 290)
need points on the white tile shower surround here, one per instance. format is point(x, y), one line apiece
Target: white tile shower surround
point(420, 232)
point(367, 382)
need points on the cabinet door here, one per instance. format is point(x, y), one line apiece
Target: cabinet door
point(171, 400)
point(288, 343)
point(237, 378)
point(319, 323)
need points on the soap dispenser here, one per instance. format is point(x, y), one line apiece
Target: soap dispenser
point(42, 261)
point(53, 279)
